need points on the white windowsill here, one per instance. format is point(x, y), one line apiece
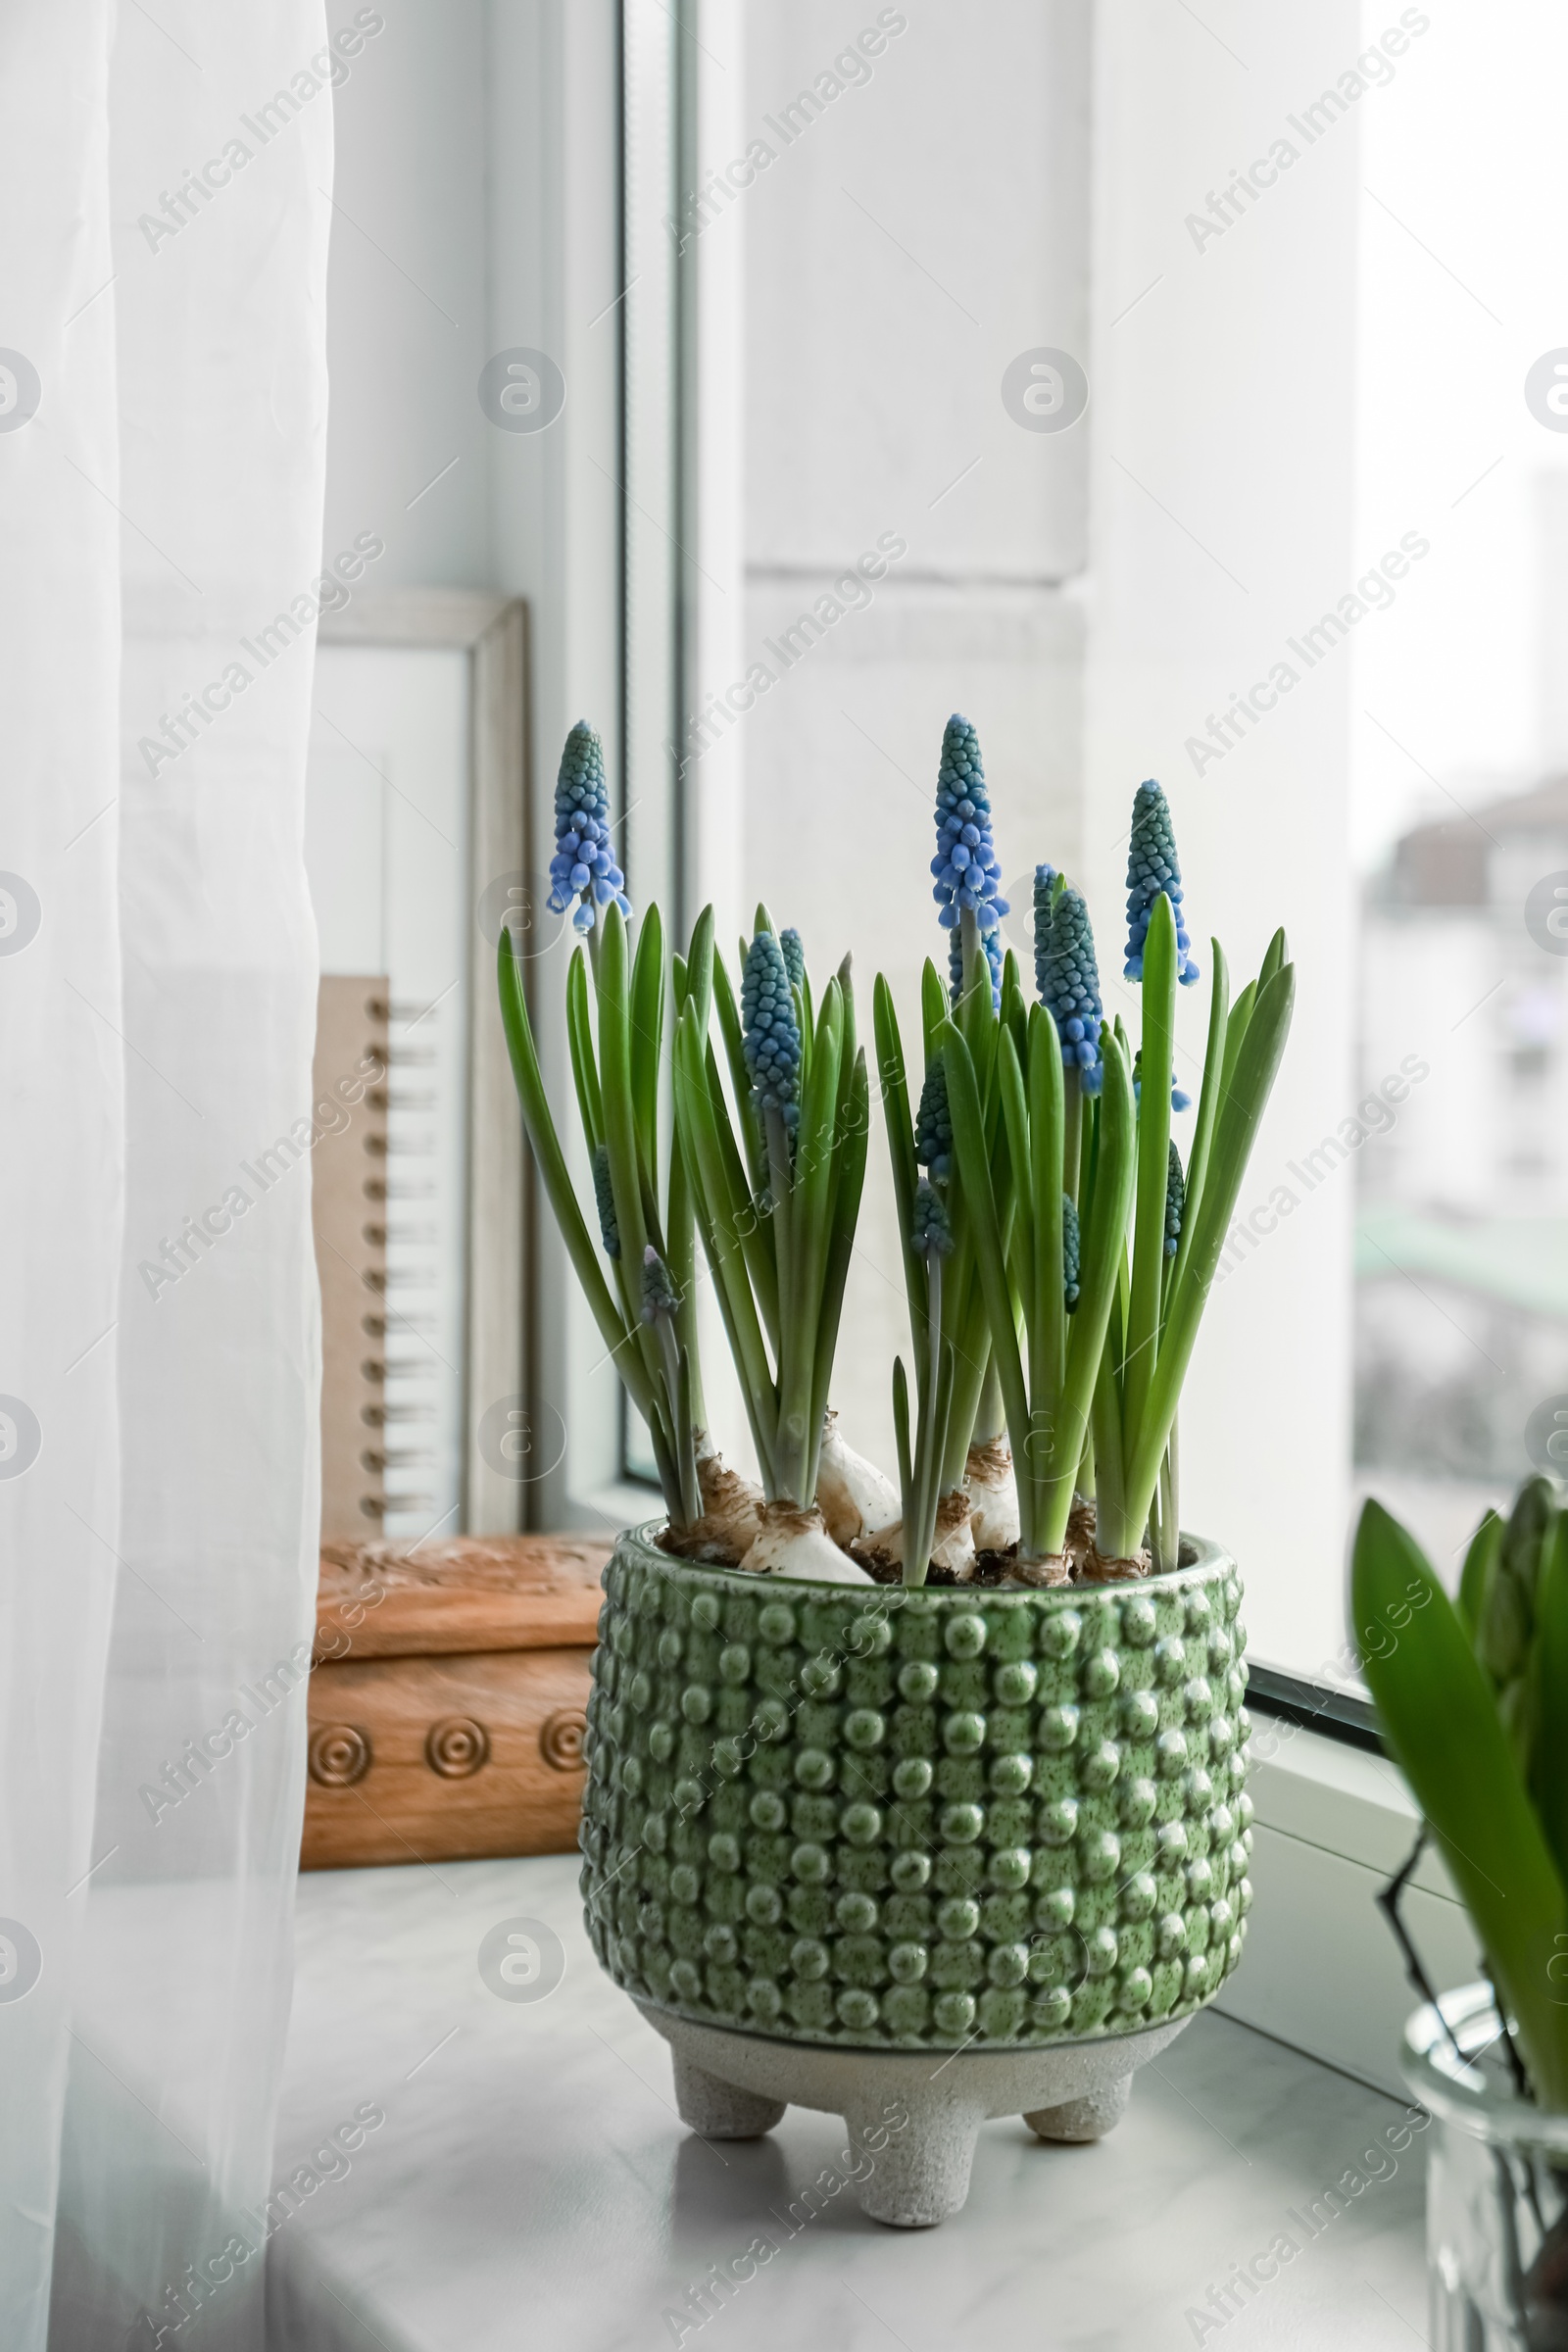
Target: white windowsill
point(1322, 1971)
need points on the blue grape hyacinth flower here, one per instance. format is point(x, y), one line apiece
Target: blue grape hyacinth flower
point(990, 944)
point(772, 1037)
point(1067, 977)
point(793, 956)
point(605, 1201)
point(1044, 887)
point(933, 1122)
point(966, 865)
point(583, 873)
point(1180, 1100)
point(930, 1232)
point(1175, 1200)
point(1071, 1252)
point(1152, 868)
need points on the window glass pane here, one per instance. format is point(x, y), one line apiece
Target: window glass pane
point(1461, 805)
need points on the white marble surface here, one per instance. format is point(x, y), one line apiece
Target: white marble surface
point(532, 2185)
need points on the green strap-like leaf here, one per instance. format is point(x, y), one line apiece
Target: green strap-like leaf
point(1443, 1727)
point(646, 1015)
point(933, 1006)
point(855, 1127)
point(1102, 1258)
point(699, 1131)
point(740, 1078)
point(1207, 1099)
point(580, 1046)
point(985, 1226)
point(1045, 1301)
point(611, 980)
point(810, 1225)
point(1019, 1237)
point(700, 967)
point(1478, 1562)
point(893, 1087)
point(1153, 1165)
point(552, 1165)
point(1549, 1763)
point(1236, 1130)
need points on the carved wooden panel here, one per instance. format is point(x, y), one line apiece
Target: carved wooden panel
point(348, 1213)
point(463, 1757)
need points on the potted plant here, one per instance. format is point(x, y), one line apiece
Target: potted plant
point(920, 1800)
point(1472, 1695)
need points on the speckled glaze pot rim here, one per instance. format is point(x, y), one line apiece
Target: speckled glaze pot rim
point(1007, 1817)
point(1213, 1559)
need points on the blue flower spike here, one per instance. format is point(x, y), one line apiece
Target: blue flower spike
point(1071, 1250)
point(660, 1296)
point(933, 1123)
point(1180, 1100)
point(771, 1034)
point(1045, 904)
point(965, 867)
point(1152, 868)
point(1175, 1200)
point(605, 1199)
point(794, 956)
point(930, 1233)
point(991, 945)
point(1067, 977)
point(583, 873)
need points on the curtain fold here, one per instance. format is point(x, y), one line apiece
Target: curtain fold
point(168, 195)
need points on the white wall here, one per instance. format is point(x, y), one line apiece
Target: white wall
point(909, 241)
point(1221, 524)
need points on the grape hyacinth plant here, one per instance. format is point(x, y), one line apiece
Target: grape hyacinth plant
point(1096, 1410)
point(583, 873)
point(1472, 1697)
point(1058, 1245)
point(966, 865)
point(643, 1207)
point(1067, 984)
point(1153, 871)
point(777, 1193)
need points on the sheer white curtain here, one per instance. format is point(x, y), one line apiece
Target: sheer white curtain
point(166, 192)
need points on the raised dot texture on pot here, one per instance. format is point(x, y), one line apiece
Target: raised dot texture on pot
point(1015, 1684)
point(1099, 1674)
point(965, 1636)
point(1059, 1633)
point(1099, 1855)
point(1138, 1623)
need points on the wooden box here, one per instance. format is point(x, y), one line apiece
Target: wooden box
point(448, 1699)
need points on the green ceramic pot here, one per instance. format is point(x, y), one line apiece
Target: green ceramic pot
point(906, 1818)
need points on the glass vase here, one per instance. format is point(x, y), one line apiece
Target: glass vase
point(1497, 2186)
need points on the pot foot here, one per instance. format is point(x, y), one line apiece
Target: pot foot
point(717, 2110)
point(1078, 2121)
point(922, 2173)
